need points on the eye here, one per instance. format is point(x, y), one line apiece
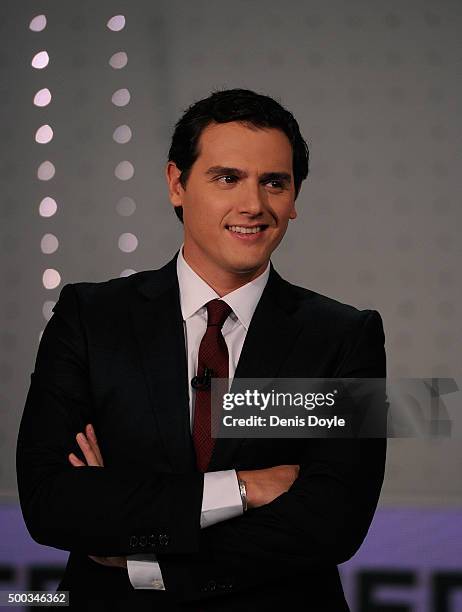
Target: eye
point(227, 179)
point(275, 184)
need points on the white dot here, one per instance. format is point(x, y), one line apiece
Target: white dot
point(121, 97)
point(127, 272)
point(47, 207)
point(124, 170)
point(47, 309)
point(42, 97)
point(51, 278)
point(49, 243)
point(126, 206)
point(40, 60)
point(118, 60)
point(44, 134)
point(128, 242)
point(46, 171)
point(116, 23)
point(122, 134)
point(38, 23)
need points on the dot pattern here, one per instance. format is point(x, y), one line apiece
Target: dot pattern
point(124, 170)
point(49, 243)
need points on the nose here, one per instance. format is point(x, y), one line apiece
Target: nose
point(253, 200)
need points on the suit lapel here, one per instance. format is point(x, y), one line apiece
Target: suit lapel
point(158, 326)
point(271, 333)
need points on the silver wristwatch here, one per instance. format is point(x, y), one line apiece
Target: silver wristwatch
point(243, 492)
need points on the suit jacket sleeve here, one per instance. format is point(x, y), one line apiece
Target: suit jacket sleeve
point(320, 522)
point(89, 509)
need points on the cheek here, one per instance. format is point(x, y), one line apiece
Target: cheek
point(282, 208)
point(211, 210)
point(202, 219)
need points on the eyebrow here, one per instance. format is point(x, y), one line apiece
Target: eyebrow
point(265, 177)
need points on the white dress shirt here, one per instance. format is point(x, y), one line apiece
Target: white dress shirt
point(221, 498)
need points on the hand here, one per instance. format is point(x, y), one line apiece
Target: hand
point(263, 486)
point(111, 561)
point(89, 446)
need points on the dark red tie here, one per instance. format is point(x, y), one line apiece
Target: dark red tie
point(213, 355)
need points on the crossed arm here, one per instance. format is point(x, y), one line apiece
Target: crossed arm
point(262, 485)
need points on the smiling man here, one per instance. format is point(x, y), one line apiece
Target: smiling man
point(116, 462)
point(239, 198)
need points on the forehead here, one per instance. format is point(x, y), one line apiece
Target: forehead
point(238, 145)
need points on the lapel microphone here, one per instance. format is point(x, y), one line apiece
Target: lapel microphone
point(202, 383)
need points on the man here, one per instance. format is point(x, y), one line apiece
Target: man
point(115, 459)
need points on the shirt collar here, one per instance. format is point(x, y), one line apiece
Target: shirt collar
point(195, 293)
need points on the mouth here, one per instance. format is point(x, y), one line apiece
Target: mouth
point(247, 234)
point(246, 230)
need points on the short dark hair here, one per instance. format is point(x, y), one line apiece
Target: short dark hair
point(235, 105)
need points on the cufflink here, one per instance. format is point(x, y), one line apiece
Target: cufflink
point(158, 584)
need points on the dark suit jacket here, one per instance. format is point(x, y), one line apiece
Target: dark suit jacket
point(113, 354)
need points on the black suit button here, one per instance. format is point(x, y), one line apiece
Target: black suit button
point(143, 540)
point(225, 586)
point(133, 541)
point(164, 539)
point(210, 586)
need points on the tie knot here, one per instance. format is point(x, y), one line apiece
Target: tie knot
point(217, 312)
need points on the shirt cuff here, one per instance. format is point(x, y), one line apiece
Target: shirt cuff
point(221, 498)
point(144, 572)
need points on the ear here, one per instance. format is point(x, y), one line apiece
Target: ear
point(175, 188)
point(293, 212)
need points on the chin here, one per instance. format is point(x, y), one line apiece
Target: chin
point(246, 266)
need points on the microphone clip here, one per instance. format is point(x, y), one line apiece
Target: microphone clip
point(202, 383)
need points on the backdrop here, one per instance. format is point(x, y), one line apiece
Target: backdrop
point(89, 94)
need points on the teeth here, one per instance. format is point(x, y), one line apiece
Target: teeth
point(245, 230)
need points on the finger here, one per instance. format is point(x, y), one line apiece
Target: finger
point(87, 450)
point(110, 561)
point(92, 440)
point(100, 560)
point(91, 437)
point(75, 460)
